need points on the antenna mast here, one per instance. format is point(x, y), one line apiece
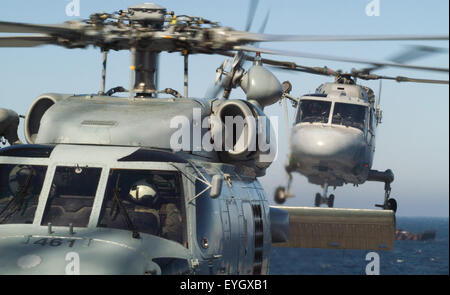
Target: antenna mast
point(105, 57)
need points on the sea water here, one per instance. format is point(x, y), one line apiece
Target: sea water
point(408, 257)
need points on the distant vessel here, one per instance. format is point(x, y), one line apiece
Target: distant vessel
point(401, 234)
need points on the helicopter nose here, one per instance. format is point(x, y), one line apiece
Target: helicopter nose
point(322, 143)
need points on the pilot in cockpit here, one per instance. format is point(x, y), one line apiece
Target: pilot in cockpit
point(315, 112)
point(168, 216)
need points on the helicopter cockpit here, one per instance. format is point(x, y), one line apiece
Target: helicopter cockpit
point(152, 208)
point(138, 199)
point(71, 196)
point(318, 111)
point(20, 186)
point(313, 111)
point(150, 198)
point(349, 115)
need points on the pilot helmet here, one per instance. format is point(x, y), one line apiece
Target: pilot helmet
point(143, 193)
point(316, 107)
point(18, 177)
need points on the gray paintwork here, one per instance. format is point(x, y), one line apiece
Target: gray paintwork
point(96, 131)
point(344, 153)
point(141, 122)
point(96, 120)
point(228, 223)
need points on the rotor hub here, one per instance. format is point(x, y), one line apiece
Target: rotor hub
point(148, 14)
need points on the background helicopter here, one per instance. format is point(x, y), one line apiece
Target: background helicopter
point(221, 260)
point(335, 157)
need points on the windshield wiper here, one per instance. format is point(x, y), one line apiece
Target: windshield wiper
point(123, 210)
point(19, 198)
point(5, 210)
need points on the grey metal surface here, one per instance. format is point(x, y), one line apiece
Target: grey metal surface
point(227, 223)
point(331, 153)
point(338, 149)
point(115, 121)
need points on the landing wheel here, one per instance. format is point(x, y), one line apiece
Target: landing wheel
point(391, 205)
point(330, 201)
point(280, 195)
point(317, 201)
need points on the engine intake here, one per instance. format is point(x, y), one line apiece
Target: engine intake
point(37, 111)
point(241, 132)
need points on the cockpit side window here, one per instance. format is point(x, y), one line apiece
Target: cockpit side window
point(313, 111)
point(20, 187)
point(71, 196)
point(146, 201)
point(349, 115)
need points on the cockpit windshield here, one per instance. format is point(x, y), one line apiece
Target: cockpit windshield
point(313, 111)
point(20, 187)
point(71, 196)
point(146, 201)
point(350, 115)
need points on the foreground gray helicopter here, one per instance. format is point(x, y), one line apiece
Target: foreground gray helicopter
point(332, 141)
point(101, 187)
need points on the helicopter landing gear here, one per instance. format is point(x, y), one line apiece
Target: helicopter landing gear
point(387, 177)
point(281, 194)
point(324, 199)
point(389, 203)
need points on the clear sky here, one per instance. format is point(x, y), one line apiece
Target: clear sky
point(412, 141)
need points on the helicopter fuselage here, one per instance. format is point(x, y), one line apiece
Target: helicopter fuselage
point(333, 139)
point(64, 216)
point(330, 154)
point(79, 187)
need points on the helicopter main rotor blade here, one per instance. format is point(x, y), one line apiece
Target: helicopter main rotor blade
point(413, 80)
point(107, 31)
point(287, 65)
point(13, 27)
point(251, 14)
point(26, 41)
point(324, 71)
point(412, 53)
point(214, 90)
point(416, 52)
point(264, 24)
point(366, 76)
point(336, 58)
point(252, 37)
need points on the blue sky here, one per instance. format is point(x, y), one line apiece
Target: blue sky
point(412, 141)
